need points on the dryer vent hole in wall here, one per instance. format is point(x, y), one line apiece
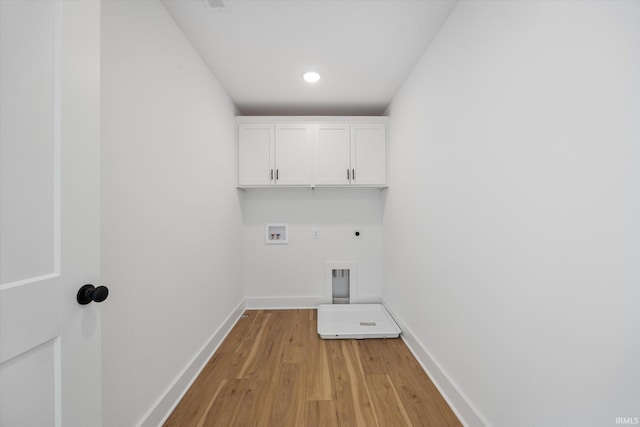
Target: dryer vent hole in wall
point(340, 286)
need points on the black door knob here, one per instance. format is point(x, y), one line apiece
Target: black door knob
point(88, 293)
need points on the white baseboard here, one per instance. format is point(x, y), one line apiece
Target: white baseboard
point(284, 302)
point(299, 302)
point(167, 402)
point(466, 413)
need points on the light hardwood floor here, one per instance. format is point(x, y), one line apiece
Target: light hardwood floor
point(273, 370)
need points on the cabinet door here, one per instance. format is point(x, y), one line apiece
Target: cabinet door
point(369, 154)
point(333, 154)
point(292, 155)
point(255, 154)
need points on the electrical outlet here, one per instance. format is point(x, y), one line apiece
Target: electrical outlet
point(316, 233)
point(357, 234)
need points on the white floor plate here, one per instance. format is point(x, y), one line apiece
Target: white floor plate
point(355, 321)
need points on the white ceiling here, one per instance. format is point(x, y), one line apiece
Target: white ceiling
point(259, 49)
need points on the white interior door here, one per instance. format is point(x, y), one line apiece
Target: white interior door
point(49, 119)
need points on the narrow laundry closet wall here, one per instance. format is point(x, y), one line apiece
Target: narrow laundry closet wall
point(171, 245)
point(294, 275)
point(511, 231)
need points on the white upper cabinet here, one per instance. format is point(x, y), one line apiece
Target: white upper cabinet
point(369, 154)
point(351, 154)
point(271, 154)
point(333, 154)
point(292, 155)
point(255, 154)
point(310, 151)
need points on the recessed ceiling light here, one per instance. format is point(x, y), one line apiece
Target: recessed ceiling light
point(311, 77)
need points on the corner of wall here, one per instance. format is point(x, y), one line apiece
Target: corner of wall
point(459, 403)
point(170, 398)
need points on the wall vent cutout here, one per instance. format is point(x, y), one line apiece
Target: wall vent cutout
point(341, 278)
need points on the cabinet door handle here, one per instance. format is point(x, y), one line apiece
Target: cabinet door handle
point(353, 174)
point(277, 174)
point(271, 174)
point(348, 177)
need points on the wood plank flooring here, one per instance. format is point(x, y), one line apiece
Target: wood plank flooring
point(273, 370)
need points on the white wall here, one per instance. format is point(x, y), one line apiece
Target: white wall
point(512, 239)
point(171, 216)
point(293, 275)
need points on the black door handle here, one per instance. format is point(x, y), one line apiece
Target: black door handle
point(88, 293)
